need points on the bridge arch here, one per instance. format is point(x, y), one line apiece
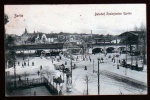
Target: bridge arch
point(110, 49)
point(97, 50)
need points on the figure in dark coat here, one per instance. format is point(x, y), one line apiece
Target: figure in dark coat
point(85, 68)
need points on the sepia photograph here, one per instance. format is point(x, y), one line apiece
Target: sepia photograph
point(75, 49)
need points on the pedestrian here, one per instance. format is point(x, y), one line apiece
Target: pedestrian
point(119, 60)
point(114, 60)
point(27, 80)
point(38, 72)
point(90, 59)
point(65, 62)
point(74, 65)
point(22, 65)
point(34, 93)
point(19, 78)
point(41, 67)
point(32, 63)
point(18, 63)
point(102, 59)
point(85, 68)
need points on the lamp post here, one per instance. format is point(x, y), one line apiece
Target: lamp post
point(63, 72)
point(53, 82)
point(99, 52)
point(71, 70)
point(87, 84)
point(126, 57)
point(93, 65)
point(98, 77)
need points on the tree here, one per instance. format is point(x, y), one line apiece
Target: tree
point(143, 36)
point(137, 45)
point(142, 42)
point(5, 22)
point(9, 41)
point(5, 19)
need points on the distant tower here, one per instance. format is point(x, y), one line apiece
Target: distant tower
point(25, 32)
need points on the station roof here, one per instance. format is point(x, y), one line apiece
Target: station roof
point(130, 33)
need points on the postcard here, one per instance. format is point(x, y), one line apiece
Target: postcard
point(75, 49)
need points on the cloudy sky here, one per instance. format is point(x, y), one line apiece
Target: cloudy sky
point(74, 18)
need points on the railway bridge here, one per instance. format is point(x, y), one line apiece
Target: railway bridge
point(59, 47)
point(111, 48)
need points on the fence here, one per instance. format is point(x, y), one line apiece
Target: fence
point(23, 84)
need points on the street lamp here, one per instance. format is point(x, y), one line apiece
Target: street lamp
point(126, 55)
point(71, 70)
point(93, 65)
point(99, 52)
point(98, 76)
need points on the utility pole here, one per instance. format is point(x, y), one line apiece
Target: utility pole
point(87, 84)
point(126, 56)
point(71, 70)
point(137, 51)
point(63, 72)
point(93, 65)
point(14, 71)
point(98, 77)
point(99, 52)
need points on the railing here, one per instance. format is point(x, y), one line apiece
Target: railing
point(23, 84)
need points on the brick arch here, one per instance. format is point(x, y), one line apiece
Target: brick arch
point(97, 50)
point(110, 49)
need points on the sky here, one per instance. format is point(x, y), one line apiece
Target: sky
point(74, 18)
